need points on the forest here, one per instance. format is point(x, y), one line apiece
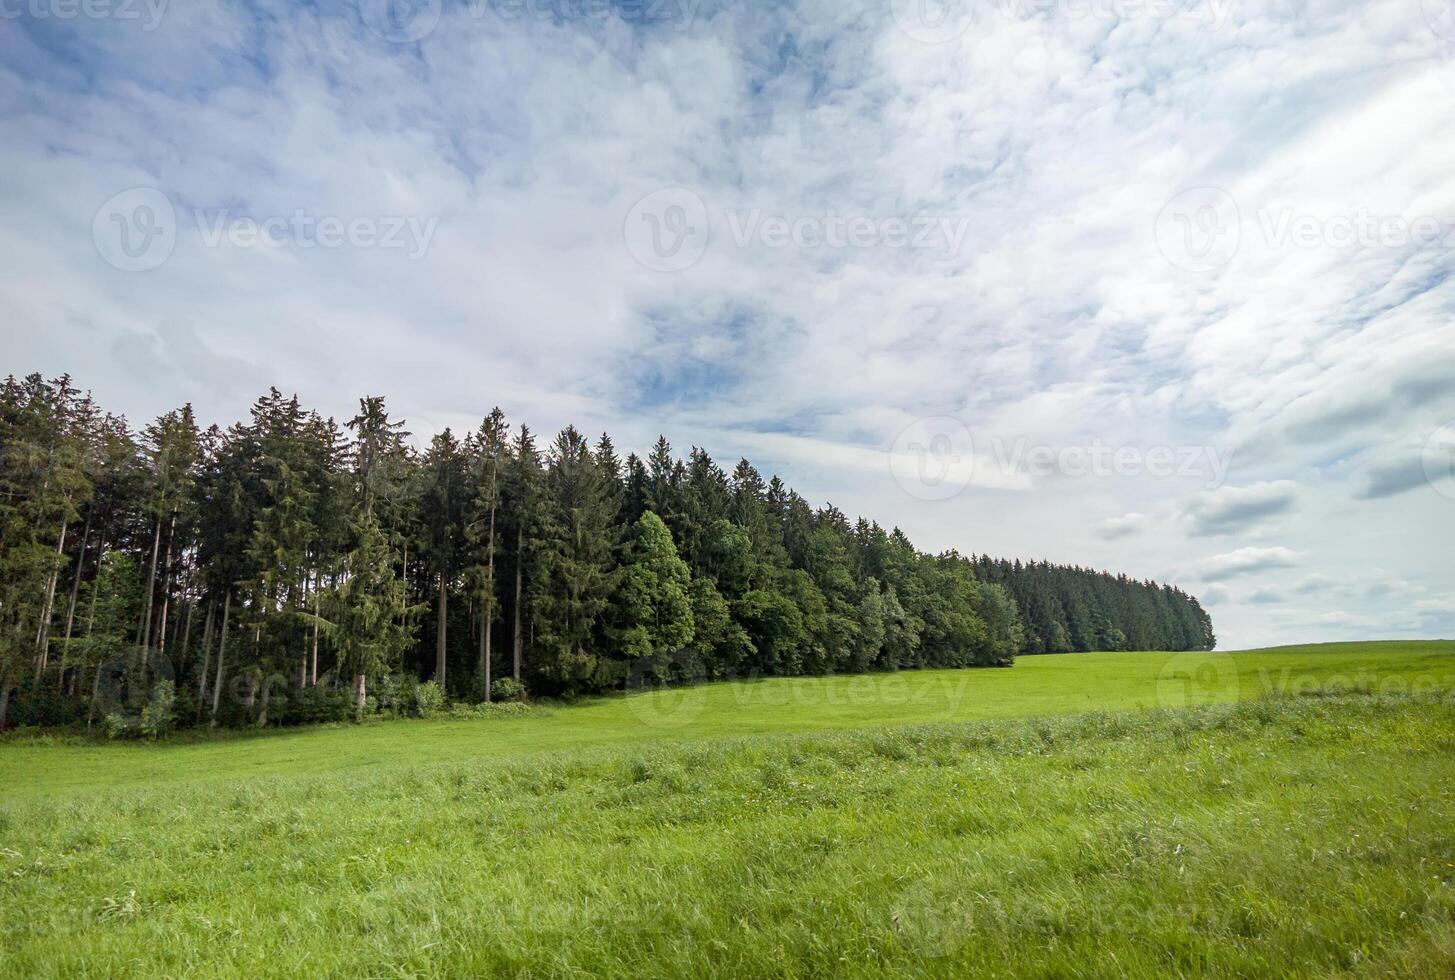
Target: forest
point(289, 568)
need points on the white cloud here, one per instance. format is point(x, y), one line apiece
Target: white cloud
point(1245, 561)
point(1228, 510)
point(1114, 528)
point(1058, 322)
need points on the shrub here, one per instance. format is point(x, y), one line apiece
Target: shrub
point(120, 726)
point(318, 704)
point(508, 689)
point(493, 709)
point(157, 716)
point(429, 699)
point(394, 695)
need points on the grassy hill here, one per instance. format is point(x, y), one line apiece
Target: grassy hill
point(745, 830)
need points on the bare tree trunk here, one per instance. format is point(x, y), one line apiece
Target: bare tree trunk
point(206, 657)
point(186, 636)
point(145, 634)
point(221, 656)
point(75, 591)
point(360, 695)
point(187, 622)
point(4, 696)
point(303, 660)
point(95, 592)
point(43, 635)
point(317, 589)
point(439, 644)
point(166, 587)
point(267, 695)
point(489, 604)
point(95, 695)
point(519, 568)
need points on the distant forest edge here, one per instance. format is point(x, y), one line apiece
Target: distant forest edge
point(179, 575)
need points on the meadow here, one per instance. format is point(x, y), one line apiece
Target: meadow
point(1278, 812)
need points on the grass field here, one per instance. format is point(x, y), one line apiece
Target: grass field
point(976, 821)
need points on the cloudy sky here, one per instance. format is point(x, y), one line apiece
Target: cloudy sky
point(1158, 286)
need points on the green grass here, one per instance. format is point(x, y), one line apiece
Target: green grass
point(732, 830)
point(1035, 686)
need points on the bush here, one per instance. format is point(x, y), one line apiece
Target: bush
point(494, 709)
point(394, 695)
point(429, 699)
point(120, 726)
point(157, 716)
point(316, 705)
point(508, 689)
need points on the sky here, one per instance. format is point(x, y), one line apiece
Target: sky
point(1157, 286)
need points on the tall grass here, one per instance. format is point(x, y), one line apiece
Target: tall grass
point(1290, 836)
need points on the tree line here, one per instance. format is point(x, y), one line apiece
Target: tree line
point(217, 567)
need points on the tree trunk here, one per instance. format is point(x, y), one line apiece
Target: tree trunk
point(187, 628)
point(267, 695)
point(166, 587)
point(96, 591)
point(75, 592)
point(439, 643)
point(489, 610)
point(519, 568)
point(95, 695)
point(206, 657)
point(317, 588)
point(43, 634)
point(144, 635)
point(360, 695)
point(4, 697)
point(221, 656)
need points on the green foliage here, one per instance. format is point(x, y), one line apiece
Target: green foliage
point(429, 700)
point(250, 561)
point(157, 715)
point(507, 689)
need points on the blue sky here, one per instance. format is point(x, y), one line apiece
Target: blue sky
point(1162, 287)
